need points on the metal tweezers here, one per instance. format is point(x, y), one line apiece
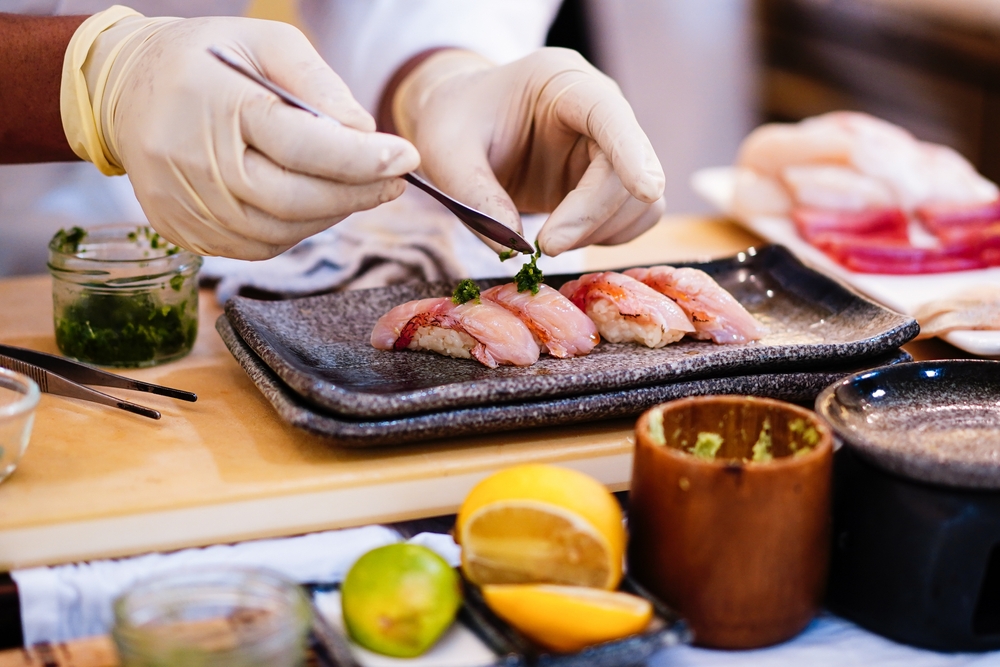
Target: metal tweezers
point(65, 377)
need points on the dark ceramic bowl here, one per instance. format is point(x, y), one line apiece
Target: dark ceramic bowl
point(933, 421)
point(916, 502)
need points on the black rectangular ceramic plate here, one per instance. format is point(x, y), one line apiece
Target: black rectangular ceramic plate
point(512, 649)
point(319, 346)
point(799, 387)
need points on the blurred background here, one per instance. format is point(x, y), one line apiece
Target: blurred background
point(700, 74)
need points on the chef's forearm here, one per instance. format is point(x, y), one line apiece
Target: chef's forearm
point(31, 59)
point(383, 114)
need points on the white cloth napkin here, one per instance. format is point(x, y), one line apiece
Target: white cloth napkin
point(71, 601)
point(410, 238)
point(829, 641)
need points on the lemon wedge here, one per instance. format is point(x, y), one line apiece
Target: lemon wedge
point(568, 618)
point(541, 524)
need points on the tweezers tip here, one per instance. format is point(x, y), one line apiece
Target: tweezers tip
point(139, 410)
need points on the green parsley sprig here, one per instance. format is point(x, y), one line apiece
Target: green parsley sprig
point(530, 277)
point(466, 291)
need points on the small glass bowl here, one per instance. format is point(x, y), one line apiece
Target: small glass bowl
point(18, 399)
point(123, 296)
point(220, 616)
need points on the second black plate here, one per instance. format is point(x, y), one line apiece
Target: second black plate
point(319, 346)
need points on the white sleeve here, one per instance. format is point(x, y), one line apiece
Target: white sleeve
point(366, 41)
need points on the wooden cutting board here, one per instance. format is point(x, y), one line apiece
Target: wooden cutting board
point(97, 482)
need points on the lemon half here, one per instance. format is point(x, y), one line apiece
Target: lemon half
point(568, 618)
point(541, 524)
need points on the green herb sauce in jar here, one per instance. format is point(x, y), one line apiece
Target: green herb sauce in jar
point(123, 296)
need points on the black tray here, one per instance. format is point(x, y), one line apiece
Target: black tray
point(319, 346)
point(799, 387)
point(511, 648)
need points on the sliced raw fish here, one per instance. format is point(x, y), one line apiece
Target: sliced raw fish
point(481, 330)
point(866, 162)
point(625, 310)
point(559, 326)
point(715, 314)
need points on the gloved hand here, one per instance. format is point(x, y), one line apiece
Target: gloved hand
point(220, 165)
point(547, 133)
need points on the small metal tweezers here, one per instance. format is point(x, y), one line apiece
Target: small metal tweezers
point(65, 377)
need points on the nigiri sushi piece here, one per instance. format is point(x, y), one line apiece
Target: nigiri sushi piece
point(625, 310)
point(715, 314)
point(560, 328)
point(477, 329)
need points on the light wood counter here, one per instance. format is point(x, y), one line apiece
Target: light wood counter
point(98, 482)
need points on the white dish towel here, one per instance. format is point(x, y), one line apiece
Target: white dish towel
point(70, 601)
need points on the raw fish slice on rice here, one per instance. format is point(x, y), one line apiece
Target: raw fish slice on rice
point(483, 331)
point(625, 310)
point(713, 311)
point(559, 327)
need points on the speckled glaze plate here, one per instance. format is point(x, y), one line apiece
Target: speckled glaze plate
point(479, 638)
point(319, 346)
point(933, 421)
point(799, 387)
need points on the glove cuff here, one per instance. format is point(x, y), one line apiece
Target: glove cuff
point(78, 110)
point(413, 91)
point(91, 68)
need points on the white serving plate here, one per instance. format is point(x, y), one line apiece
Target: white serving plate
point(904, 294)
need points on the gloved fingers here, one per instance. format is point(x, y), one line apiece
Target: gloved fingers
point(301, 142)
point(587, 207)
point(298, 68)
point(263, 229)
point(201, 231)
point(292, 196)
point(592, 106)
point(463, 171)
point(632, 219)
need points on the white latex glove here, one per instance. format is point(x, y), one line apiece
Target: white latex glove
point(545, 134)
point(220, 165)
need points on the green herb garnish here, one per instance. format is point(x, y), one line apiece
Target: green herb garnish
point(762, 448)
point(707, 445)
point(505, 255)
point(120, 330)
point(656, 433)
point(808, 434)
point(530, 277)
point(466, 291)
point(69, 240)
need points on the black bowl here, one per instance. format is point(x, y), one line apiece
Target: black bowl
point(916, 553)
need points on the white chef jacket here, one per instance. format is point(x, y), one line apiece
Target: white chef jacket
point(365, 41)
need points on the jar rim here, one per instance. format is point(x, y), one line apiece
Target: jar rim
point(222, 577)
point(30, 393)
point(56, 248)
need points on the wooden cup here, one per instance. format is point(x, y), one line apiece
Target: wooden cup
point(740, 549)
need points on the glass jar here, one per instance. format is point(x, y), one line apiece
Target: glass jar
point(18, 399)
point(218, 616)
point(123, 296)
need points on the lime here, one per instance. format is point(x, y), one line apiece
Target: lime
point(399, 599)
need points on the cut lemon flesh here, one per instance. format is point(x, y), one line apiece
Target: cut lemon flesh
point(568, 618)
point(513, 542)
point(541, 524)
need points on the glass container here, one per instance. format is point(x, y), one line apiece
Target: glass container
point(122, 296)
point(18, 399)
point(218, 616)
